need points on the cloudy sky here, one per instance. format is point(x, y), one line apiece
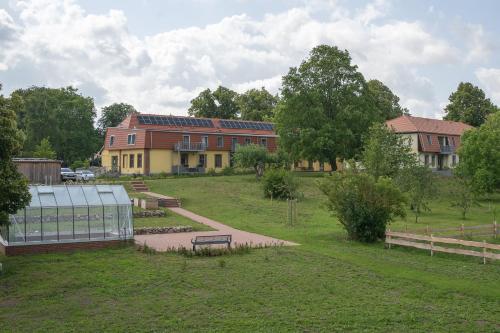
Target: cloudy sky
point(158, 55)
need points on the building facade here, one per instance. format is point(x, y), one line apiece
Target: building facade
point(434, 141)
point(152, 144)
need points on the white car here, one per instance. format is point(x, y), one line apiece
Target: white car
point(84, 175)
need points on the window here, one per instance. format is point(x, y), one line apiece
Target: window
point(234, 143)
point(131, 161)
point(185, 160)
point(263, 142)
point(202, 161)
point(454, 160)
point(139, 160)
point(204, 141)
point(111, 140)
point(453, 140)
point(218, 160)
point(429, 139)
point(220, 141)
point(426, 160)
point(248, 141)
point(186, 140)
point(131, 139)
point(114, 163)
point(433, 160)
point(124, 164)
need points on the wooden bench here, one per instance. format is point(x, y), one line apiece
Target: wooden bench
point(208, 240)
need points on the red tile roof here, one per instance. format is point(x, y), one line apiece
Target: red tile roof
point(132, 122)
point(410, 124)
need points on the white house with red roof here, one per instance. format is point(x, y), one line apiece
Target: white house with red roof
point(435, 141)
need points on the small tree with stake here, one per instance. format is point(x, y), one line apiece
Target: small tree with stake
point(252, 156)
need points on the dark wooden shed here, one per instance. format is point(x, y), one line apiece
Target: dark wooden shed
point(39, 170)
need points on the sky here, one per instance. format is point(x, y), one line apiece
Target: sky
point(158, 55)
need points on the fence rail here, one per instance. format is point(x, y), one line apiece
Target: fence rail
point(425, 242)
point(491, 229)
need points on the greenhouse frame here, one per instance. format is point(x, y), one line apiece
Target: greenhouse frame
point(71, 214)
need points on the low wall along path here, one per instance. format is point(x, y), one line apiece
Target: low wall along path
point(164, 242)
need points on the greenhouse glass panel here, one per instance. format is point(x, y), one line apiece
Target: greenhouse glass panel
point(71, 213)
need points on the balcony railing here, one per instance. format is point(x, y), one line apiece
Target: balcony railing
point(190, 146)
point(447, 149)
point(176, 169)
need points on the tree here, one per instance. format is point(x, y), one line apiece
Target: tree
point(44, 150)
point(280, 184)
point(469, 105)
point(112, 115)
point(386, 153)
point(479, 155)
point(386, 102)
point(257, 105)
point(325, 107)
point(69, 116)
point(14, 193)
point(251, 156)
point(462, 193)
point(220, 103)
point(363, 205)
point(418, 183)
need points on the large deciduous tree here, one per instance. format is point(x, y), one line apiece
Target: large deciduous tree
point(469, 105)
point(257, 105)
point(325, 107)
point(14, 193)
point(112, 115)
point(64, 114)
point(220, 103)
point(480, 156)
point(386, 102)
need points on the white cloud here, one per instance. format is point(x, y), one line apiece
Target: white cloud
point(163, 72)
point(490, 79)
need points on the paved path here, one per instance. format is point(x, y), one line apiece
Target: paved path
point(164, 242)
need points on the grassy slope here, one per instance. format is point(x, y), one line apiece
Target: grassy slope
point(326, 284)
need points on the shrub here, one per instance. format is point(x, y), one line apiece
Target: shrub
point(227, 171)
point(251, 156)
point(280, 184)
point(363, 205)
point(211, 172)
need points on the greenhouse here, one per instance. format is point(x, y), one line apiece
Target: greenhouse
point(70, 214)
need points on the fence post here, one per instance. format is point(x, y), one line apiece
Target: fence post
point(462, 230)
point(484, 252)
point(495, 229)
point(388, 236)
point(432, 246)
point(427, 230)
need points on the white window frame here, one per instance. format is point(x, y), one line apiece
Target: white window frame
point(263, 142)
point(131, 139)
point(111, 140)
point(222, 141)
point(204, 141)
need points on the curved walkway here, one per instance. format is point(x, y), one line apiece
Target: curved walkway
point(164, 242)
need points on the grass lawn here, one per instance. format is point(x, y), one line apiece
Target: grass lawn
point(326, 284)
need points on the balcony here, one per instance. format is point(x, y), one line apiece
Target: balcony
point(190, 146)
point(447, 149)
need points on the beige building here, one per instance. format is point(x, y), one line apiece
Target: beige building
point(435, 141)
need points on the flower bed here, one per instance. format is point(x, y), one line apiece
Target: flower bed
point(162, 230)
point(150, 213)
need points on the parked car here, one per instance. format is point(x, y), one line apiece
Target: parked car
point(85, 175)
point(67, 174)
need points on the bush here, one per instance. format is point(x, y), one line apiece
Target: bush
point(363, 205)
point(228, 171)
point(280, 184)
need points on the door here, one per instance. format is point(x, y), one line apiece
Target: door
point(440, 162)
point(114, 163)
point(185, 160)
point(186, 140)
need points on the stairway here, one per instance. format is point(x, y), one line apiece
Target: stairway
point(171, 203)
point(139, 186)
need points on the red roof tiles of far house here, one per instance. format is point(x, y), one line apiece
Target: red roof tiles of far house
point(410, 124)
point(132, 121)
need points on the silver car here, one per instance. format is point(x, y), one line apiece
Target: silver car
point(84, 175)
point(67, 174)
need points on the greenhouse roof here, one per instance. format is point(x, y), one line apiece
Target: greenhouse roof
point(78, 195)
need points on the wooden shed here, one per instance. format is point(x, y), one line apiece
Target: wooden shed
point(39, 170)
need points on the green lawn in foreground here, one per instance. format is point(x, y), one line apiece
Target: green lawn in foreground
point(326, 284)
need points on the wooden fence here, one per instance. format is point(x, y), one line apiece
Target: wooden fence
point(461, 231)
point(428, 243)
